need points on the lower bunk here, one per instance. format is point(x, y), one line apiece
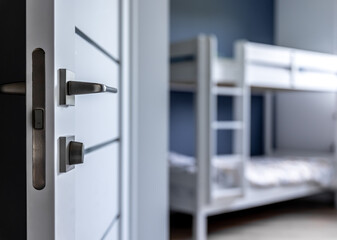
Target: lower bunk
point(267, 180)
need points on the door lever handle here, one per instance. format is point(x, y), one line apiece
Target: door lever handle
point(17, 88)
point(79, 88)
point(69, 88)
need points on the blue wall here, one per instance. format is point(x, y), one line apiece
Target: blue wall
point(229, 20)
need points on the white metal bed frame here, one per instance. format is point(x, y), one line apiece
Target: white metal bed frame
point(195, 67)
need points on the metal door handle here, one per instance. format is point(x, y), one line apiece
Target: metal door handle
point(79, 88)
point(69, 88)
point(17, 88)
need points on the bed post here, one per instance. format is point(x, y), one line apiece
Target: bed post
point(203, 111)
point(240, 56)
point(199, 226)
point(268, 123)
point(335, 152)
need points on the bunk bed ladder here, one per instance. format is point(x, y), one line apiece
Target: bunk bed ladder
point(233, 162)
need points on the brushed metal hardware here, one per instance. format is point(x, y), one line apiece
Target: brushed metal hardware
point(38, 130)
point(38, 119)
point(70, 88)
point(79, 88)
point(76, 153)
point(65, 166)
point(65, 77)
point(17, 88)
point(71, 153)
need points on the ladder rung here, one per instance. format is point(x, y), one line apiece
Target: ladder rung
point(182, 87)
point(227, 91)
point(227, 125)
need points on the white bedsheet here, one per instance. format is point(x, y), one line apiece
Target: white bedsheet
point(270, 171)
point(182, 162)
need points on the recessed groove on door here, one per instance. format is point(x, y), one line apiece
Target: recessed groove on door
point(113, 222)
point(96, 45)
point(101, 145)
point(39, 134)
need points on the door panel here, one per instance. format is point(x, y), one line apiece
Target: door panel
point(82, 201)
point(96, 115)
point(112, 233)
point(99, 20)
point(97, 120)
point(97, 198)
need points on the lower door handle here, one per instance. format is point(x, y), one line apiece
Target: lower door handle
point(17, 88)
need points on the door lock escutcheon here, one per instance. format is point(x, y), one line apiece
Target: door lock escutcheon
point(71, 153)
point(69, 88)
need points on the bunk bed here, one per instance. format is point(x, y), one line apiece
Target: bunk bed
point(208, 184)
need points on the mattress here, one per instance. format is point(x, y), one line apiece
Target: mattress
point(265, 171)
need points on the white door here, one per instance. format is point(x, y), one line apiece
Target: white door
point(70, 42)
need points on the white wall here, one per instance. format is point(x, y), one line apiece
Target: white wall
point(306, 24)
point(305, 121)
point(309, 25)
point(149, 114)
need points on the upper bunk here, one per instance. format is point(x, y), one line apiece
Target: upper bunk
point(254, 65)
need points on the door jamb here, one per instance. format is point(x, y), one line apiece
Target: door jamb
point(125, 118)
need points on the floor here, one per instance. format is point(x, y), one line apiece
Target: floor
point(306, 219)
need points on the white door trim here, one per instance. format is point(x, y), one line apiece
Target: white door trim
point(149, 119)
point(125, 121)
